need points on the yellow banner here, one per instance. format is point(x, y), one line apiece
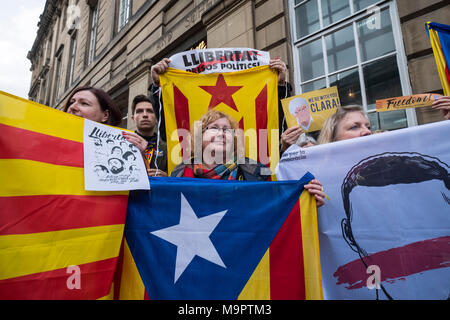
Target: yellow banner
point(310, 110)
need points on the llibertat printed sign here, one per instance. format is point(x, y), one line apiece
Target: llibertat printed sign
point(111, 163)
point(219, 60)
point(310, 110)
point(405, 102)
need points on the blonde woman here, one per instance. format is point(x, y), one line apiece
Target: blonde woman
point(347, 123)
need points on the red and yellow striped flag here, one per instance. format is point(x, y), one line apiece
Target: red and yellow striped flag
point(48, 222)
point(290, 269)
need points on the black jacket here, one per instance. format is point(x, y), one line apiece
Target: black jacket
point(158, 159)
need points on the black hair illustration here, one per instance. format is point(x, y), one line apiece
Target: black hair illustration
point(385, 169)
point(116, 148)
point(128, 154)
point(97, 141)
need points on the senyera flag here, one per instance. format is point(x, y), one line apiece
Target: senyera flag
point(250, 97)
point(57, 241)
point(250, 240)
point(440, 41)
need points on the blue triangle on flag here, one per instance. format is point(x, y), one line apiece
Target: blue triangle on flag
point(203, 238)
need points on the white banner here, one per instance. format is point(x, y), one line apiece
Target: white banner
point(219, 60)
point(386, 230)
point(111, 163)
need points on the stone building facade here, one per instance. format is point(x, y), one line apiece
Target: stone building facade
point(112, 44)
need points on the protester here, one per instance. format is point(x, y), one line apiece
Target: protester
point(443, 104)
point(305, 141)
point(93, 104)
point(347, 123)
point(146, 136)
point(220, 156)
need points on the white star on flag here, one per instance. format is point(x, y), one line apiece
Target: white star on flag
point(191, 236)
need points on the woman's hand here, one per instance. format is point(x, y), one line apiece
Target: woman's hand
point(159, 68)
point(315, 188)
point(289, 137)
point(135, 140)
point(443, 104)
point(280, 67)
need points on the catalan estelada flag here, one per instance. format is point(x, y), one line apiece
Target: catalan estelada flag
point(250, 97)
point(48, 222)
point(249, 240)
point(440, 42)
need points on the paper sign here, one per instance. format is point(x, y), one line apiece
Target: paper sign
point(111, 163)
point(219, 60)
point(405, 102)
point(310, 110)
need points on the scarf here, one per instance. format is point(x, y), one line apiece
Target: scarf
point(227, 171)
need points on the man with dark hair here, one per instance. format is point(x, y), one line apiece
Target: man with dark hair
point(146, 121)
point(397, 176)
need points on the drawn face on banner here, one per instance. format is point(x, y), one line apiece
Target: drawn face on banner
point(391, 239)
point(116, 152)
point(101, 171)
point(134, 171)
point(299, 108)
point(353, 125)
point(97, 142)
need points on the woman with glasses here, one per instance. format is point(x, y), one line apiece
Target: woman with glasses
point(222, 156)
point(219, 153)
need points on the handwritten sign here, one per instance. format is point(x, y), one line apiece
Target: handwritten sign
point(405, 102)
point(111, 163)
point(310, 110)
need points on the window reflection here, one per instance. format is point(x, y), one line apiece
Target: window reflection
point(348, 87)
point(363, 4)
point(382, 80)
point(307, 18)
point(311, 60)
point(341, 51)
point(375, 36)
point(334, 10)
point(314, 85)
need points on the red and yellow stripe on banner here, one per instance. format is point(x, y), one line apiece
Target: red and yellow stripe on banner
point(48, 222)
point(289, 270)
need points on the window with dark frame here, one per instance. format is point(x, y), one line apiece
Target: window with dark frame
point(72, 55)
point(124, 13)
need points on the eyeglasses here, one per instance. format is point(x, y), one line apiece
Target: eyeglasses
point(215, 130)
